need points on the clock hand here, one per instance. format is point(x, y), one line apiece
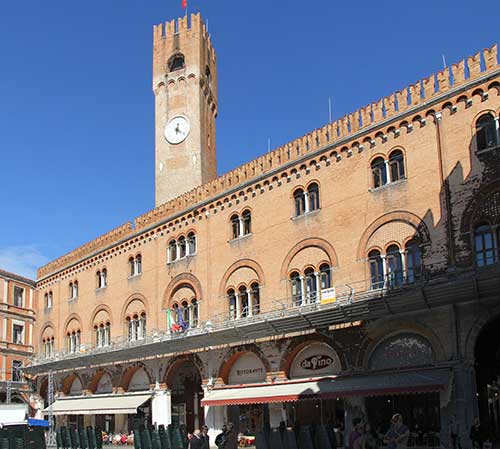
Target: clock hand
point(177, 129)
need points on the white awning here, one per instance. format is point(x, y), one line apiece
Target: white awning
point(332, 387)
point(98, 404)
point(11, 414)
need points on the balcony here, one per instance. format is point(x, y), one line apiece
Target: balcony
point(350, 303)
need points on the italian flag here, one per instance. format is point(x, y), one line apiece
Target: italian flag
point(172, 326)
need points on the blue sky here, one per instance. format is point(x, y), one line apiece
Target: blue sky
point(76, 106)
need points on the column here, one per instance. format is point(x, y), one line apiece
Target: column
point(387, 171)
point(384, 269)
point(177, 251)
point(240, 227)
point(302, 289)
point(196, 411)
point(496, 254)
point(161, 407)
point(250, 302)
point(214, 418)
point(306, 202)
point(238, 305)
point(403, 264)
point(318, 286)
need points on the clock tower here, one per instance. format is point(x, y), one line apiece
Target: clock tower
point(185, 88)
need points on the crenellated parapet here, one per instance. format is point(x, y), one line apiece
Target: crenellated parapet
point(403, 111)
point(104, 240)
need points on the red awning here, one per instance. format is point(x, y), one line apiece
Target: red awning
point(332, 387)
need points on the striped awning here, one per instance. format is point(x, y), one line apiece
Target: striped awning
point(98, 404)
point(379, 384)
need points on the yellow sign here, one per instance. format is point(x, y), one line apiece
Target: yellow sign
point(328, 296)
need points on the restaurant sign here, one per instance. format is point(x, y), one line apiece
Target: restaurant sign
point(316, 362)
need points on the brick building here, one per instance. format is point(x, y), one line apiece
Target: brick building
point(351, 272)
point(16, 331)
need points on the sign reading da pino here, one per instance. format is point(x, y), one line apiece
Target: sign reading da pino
point(316, 362)
point(317, 359)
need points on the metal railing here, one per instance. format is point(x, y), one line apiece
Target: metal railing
point(364, 291)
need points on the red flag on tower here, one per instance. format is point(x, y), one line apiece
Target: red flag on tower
point(184, 4)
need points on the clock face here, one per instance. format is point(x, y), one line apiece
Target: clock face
point(177, 129)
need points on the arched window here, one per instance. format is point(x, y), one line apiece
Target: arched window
point(313, 194)
point(235, 226)
point(247, 222)
point(243, 297)
point(379, 172)
point(231, 297)
point(74, 341)
point(138, 264)
point(311, 286)
point(208, 76)
point(486, 132)
point(102, 278)
point(325, 276)
point(255, 293)
point(142, 327)
point(300, 202)
point(185, 313)
point(131, 266)
point(394, 266)
point(107, 334)
point(296, 284)
point(48, 300)
point(194, 313)
point(176, 62)
point(191, 244)
point(376, 269)
point(485, 245)
point(413, 262)
point(172, 251)
point(397, 165)
point(182, 247)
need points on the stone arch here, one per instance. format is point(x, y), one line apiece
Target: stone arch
point(130, 300)
point(390, 329)
point(488, 194)
point(242, 263)
point(48, 330)
point(179, 281)
point(234, 354)
point(97, 312)
point(96, 379)
point(73, 317)
point(306, 243)
point(484, 317)
point(129, 373)
point(297, 346)
point(175, 363)
point(67, 383)
point(408, 218)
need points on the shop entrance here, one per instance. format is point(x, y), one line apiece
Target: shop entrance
point(186, 397)
point(420, 413)
point(249, 419)
point(329, 412)
point(487, 355)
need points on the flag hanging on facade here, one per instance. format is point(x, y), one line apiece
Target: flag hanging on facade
point(171, 325)
point(184, 4)
point(180, 319)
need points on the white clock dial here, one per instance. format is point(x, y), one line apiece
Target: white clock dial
point(177, 129)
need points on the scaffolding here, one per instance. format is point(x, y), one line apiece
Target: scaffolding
point(51, 434)
point(346, 303)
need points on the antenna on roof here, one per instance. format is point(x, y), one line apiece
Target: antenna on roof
point(329, 110)
point(268, 144)
point(444, 62)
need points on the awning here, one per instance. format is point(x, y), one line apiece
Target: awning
point(98, 405)
point(11, 414)
point(332, 387)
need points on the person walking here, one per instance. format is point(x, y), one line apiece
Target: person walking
point(205, 439)
point(398, 433)
point(370, 438)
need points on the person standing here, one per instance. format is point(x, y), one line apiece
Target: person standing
point(196, 442)
point(232, 437)
point(221, 439)
point(355, 434)
point(205, 439)
point(477, 434)
point(397, 436)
